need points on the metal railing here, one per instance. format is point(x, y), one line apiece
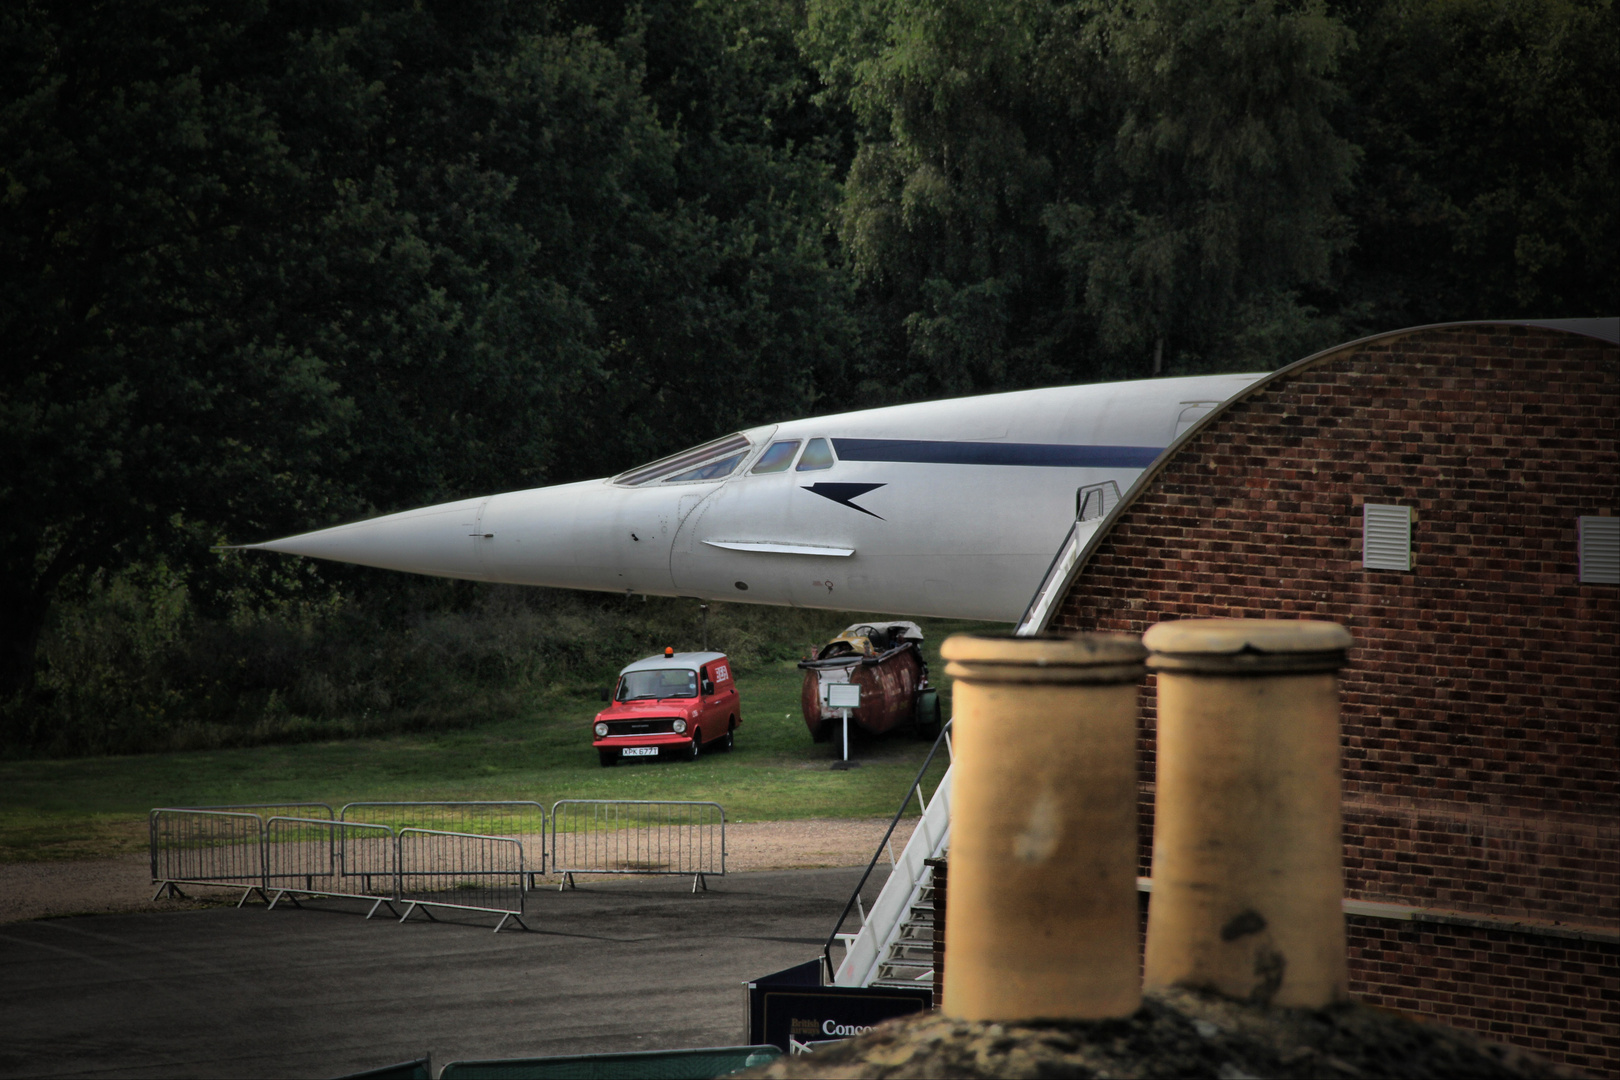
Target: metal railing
point(520, 820)
point(606, 836)
point(206, 847)
point(943, 739)
point(471, 855)
point(319, 857)
point(468, 871)
point(305, 809)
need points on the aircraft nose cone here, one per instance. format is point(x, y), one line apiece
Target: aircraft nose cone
point(439, 540)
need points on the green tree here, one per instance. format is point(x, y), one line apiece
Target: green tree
point(941, 212)
point(1488, 188)
point(268, 266)
point(1049, 192)
point(730, 308)
point(145, 377)
point(1209, 204)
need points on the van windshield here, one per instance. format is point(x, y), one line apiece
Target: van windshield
point(660, 683)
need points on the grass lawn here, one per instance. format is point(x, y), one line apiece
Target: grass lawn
point(92, 807)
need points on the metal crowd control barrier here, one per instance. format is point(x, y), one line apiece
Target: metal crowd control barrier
point(468, 871)
point(523, 821)
point(305, 809)
point(396, 852)
point(330, 858)
point(605, 836)
point(206, 847)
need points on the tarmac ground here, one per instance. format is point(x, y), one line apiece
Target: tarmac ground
point(320, 991)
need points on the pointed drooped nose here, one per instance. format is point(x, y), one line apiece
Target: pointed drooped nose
point(439, 540)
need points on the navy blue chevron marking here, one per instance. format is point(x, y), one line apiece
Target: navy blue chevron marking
point(843, 494)
point(997, 453)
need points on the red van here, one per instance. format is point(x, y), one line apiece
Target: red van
point(678, 702)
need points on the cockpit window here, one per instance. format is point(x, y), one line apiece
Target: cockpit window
point(662, 683)
point(817, 455)
point(712, 470)
point(711, 455)
point(777, 457)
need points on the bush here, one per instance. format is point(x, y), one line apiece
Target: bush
point(133, 666)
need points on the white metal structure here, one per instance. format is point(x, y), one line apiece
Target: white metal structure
point(866, 951)
point(946, 508)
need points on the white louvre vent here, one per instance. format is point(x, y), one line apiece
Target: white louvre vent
point(1386, 537)
point(1599, 539)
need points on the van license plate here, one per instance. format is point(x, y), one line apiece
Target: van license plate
point(639, 751)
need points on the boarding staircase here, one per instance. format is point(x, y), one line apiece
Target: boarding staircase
point(895, 943)
point(908, 959)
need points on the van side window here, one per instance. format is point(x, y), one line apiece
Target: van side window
point(817, 455)
point(777, 458)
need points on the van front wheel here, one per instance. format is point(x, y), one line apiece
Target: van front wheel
point(697, 746)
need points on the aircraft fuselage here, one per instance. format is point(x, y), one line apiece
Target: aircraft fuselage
point(947, 508)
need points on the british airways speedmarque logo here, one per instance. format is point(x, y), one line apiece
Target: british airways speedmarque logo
point(846, 494)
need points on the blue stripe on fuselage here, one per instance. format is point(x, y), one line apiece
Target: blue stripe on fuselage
point(996, 453)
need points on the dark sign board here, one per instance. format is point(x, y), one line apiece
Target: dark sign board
point(791, 1006)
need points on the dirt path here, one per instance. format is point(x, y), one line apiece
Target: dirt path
point(96, 886)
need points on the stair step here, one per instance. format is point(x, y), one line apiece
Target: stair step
point(919, 953)
point(904, 972)
point(921, 977)
point(910, 953)
point(906, 956)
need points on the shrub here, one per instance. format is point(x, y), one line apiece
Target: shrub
point(133, 666)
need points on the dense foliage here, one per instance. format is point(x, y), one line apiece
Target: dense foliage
point(270, 266)
point(133, 666)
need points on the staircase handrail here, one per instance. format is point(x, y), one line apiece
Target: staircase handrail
point(943, 738)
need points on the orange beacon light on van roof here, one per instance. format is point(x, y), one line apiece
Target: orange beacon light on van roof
point(669, 650)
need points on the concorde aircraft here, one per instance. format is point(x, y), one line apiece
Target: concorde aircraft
point(948, 508)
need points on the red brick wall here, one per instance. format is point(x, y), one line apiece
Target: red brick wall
point(1554, 996)
point(1482, 699)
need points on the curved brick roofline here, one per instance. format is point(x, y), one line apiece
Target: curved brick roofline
point(1606, 330)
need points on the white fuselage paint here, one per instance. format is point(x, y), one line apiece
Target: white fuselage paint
point(969, 498)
